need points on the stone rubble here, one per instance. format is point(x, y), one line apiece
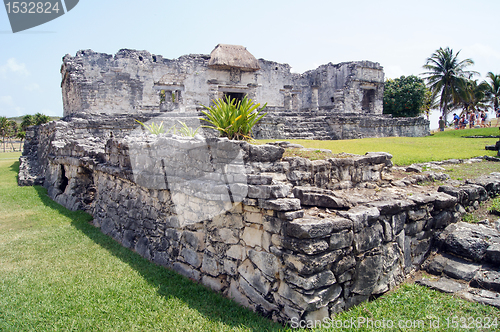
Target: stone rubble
point(468, 255)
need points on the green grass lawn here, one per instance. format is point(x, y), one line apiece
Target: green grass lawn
point(59, 273)
point(408, 150)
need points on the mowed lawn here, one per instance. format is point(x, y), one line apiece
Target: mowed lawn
point(407, 150)
point(60, 273)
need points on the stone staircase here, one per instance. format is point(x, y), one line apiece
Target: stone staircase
point(289, 125)
point(467, 263)
point(310, 128)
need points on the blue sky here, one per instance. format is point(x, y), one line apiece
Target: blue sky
point(400, 35)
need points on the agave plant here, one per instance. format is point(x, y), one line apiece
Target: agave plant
point(153, 128)
point(185, 130)
point(233, 119)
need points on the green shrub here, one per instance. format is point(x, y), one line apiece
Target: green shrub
point(233, 119)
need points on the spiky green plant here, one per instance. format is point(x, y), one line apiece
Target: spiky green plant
point(185, 130)
point(153, 128)
point(232, 118)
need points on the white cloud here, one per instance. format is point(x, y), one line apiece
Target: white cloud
point(32, 87)
point(7, 100)
point(13, 66)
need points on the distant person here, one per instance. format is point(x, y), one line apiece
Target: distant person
point(456, 120)
point(441, 124)
point(463, 122)
point(483, 118)
point(472, 119)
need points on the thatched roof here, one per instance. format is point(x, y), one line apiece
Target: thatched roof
point(232, 56)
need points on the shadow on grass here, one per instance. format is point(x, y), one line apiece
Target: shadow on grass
point(167, 282)
point(15, 168)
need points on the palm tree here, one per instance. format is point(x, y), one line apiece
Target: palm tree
point(27, 121)
point(40, 118)
point(13, 129)
point(445, 76)
point(21, 135)
point(4, 128)
point(493, 92)
point(473, 95)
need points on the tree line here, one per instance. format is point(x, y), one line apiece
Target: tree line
point(10, 129)
point(448, 84)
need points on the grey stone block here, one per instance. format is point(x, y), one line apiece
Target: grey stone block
point(487, 279)
point(280, 204)
point(306, 228)
point(361, 216)
point(307, 265)
point(368, 238)
point(444, 285)
point(319, 280)
point(341, 240)
point(266, 262)
point(306, 246)
point(186, 271)
point(368, 272)
point(192, 257)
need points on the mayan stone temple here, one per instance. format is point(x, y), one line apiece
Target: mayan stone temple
point(287, 237)
point(331, 102)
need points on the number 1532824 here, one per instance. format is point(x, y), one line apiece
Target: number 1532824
point(32, 7)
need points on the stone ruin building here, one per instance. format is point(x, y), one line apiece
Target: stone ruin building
point(287, 237)
point(339, 101)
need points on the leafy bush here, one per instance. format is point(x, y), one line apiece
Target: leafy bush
point(233, 119)
point(404, 96)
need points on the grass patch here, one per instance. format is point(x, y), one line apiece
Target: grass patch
point(311, 155)
point(495, 206)
point(415, 307)
point(408, 150)
point(58, 272)
point(469, 171)
point(470, 218)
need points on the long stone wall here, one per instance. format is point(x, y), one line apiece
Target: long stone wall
point(327, 125)
point(275, 234)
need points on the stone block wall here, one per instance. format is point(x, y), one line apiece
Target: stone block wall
point(273, 233)
point(327, 125)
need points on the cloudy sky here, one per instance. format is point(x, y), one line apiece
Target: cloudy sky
point(398, 34)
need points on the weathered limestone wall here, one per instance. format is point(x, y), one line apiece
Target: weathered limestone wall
point(334, 101)
point(325, 125)
point(132, 82)
point(273, 233)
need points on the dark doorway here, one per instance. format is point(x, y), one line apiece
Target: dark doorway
point(235, 95)
point(368, 99)
point(63, 182)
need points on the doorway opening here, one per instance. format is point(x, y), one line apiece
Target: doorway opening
point(235, 95)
